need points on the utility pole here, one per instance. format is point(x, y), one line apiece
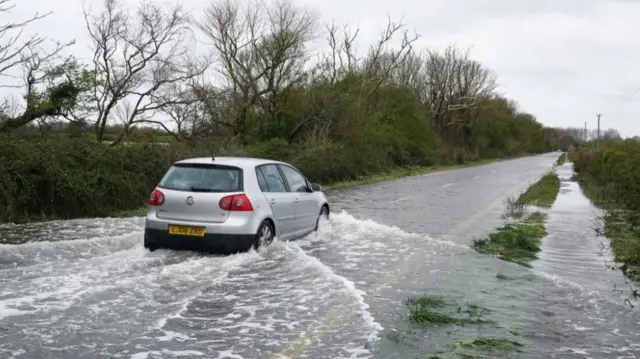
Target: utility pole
point(598, 142)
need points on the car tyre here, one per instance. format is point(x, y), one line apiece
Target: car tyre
point(324, 212)
point(149, 245)
point(264, 236)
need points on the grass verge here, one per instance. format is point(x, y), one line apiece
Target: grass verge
point(380, 177)
point(617, 227)
point(562, 159)
point(542, 193)
point(519, 241)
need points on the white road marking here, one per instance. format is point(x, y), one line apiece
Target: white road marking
point(401, 199)
point(447, 185)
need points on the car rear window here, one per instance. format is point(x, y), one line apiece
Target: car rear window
point(202, 178)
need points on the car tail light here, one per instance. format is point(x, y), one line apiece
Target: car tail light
point(236, 202)
point(156, 198)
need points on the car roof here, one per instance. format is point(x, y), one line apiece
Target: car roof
point(230, 161)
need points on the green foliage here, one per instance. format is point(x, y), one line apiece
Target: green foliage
point(615, 169)
point(76, 178)
point(334, 133)
point(610, 177)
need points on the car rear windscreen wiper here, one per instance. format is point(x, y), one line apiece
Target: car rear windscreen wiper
point(201, 189)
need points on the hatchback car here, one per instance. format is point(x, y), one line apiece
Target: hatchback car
point(231, 204)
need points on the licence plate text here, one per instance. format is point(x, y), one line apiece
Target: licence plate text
point(187, 230)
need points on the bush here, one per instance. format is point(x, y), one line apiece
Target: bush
point(76, 178)
point(611, 178)
point(615, 169)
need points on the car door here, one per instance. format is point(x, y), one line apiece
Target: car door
point(306, 206)
point(282, 201)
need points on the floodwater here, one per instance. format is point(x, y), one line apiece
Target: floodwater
point(88, 289)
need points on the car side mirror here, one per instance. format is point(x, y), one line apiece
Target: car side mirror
point(316, 187)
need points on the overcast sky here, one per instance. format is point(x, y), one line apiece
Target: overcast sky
point(562, 60)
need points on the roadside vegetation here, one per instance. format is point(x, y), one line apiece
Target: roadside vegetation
point(561, 159)
point(542, 193)
point(610, 177)
point(519, 240)
point(91, 137)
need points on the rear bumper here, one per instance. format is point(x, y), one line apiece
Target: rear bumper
point(210, 243)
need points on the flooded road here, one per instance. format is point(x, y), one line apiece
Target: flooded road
point(88, 289)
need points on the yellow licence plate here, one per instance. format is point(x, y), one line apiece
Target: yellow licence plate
point(187, 230)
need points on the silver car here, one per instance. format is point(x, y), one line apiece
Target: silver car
point(230, 204)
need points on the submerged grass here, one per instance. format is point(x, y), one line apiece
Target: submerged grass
point(517, 243)
point(492, 344)
point(438, 310)
point(434, 310)
point(482, 347)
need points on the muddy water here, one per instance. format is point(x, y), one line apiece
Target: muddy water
point(87, 288)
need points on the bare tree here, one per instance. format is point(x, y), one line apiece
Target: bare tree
point(382, 59)
point(262, 51)
point(411, 73)
point(578, 134)
point(454, 88)
point(187, 115)
point(342, 58)
point(36, 61)
point(610, 135)
point(140, 58)
point(382, 63)
point(15, 48)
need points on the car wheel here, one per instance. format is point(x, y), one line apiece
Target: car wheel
point(149, 245)
point(265, 235)
point(324, 212)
